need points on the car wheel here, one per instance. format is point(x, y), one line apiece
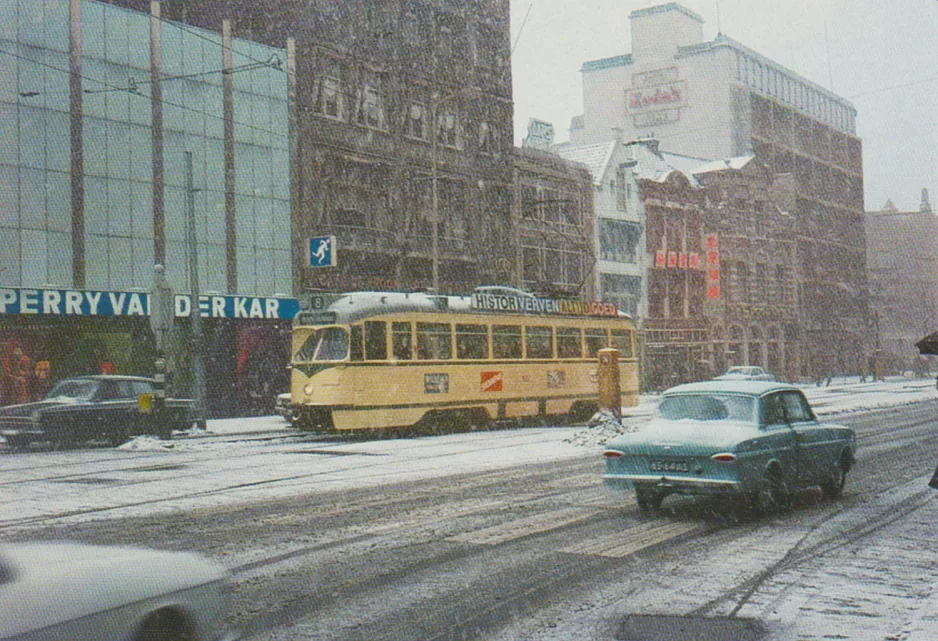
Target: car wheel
point(648, 500)
point(833, 487)
point(165, 625)
point(772, 494)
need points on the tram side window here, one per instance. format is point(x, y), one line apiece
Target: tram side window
point(622, 341)
point(506, 341)
point(434, 341)
point(538, 340)
point(569, 342)
point(472, 342)
point(356, 348)
point(376, 341)
point(401, 341)
point(595, 340)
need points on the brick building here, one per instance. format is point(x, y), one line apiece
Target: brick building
point(720, 99)
point(403, 109)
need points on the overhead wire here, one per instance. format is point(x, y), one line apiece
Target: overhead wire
point(182, 27)
point(112, 87)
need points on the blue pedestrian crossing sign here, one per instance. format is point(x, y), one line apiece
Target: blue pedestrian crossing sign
point(322, 251)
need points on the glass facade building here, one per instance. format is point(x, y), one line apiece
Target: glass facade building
point(100, 108)
point(117, 138)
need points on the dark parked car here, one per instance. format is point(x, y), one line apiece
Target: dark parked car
point(91, 407)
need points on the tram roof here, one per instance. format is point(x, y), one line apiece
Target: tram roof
point(353, 306)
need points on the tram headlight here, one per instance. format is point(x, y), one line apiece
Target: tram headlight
point(308, 390)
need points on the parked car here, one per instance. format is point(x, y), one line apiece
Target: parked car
point(754, 439)
point(91, 407)
point(284, 407)
point(57, 591)
point(745, 373)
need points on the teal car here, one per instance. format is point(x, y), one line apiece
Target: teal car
point(758, 440)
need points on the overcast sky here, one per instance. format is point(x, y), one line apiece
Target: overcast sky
point(883, 58)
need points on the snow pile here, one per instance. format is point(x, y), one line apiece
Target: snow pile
point(603, 426)
point(146, 444)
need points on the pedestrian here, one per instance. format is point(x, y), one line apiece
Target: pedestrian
point(933, 483)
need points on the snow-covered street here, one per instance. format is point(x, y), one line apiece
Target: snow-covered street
point(860, 568)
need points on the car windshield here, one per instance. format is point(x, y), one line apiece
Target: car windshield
point(326, 344)
point(81, 390)
point(707, 407)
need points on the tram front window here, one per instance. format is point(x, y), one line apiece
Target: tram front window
point(327, 344)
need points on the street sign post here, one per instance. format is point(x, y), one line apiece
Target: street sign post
point(322, 251)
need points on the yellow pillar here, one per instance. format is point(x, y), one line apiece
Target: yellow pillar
point(610, 397)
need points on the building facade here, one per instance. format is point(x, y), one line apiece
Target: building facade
point(103, 111)
point(553, 210)
point(749, 239)
point(902, 258)
point(721, 99)
point(403, 121)
point(619, 235)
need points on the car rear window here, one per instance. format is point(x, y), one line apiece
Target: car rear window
point(706, 407)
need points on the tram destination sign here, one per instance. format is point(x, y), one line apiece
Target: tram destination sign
point(533, 305)
point(72, 302)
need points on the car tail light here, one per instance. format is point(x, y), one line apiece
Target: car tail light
point(612, 454)
point(724, 457)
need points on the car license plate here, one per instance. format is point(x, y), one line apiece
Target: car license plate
point(670, 466)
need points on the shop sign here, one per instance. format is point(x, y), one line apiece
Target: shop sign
point(656, 97)
point(712, 244)
point(680, 260)
point(72, 302)
point(533, 305)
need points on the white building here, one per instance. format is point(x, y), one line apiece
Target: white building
point(720, 99)
point(619, 234)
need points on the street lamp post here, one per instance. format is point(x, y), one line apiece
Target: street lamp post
point(435, 222)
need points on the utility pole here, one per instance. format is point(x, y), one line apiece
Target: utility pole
point(162, 312)
point(194, 310)
point(435, 223)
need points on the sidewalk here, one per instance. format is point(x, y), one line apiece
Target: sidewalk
point(844, 395)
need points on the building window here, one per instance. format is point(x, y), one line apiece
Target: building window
point(618, 240)
point(529, 200)
point(445, 40)
point(415, 124)
point(781, 284)
point(371, 103)
point(761, 282)
point(622, 190)
point(447, 128)
point(412, 29)
point(624, 291)
point(327, 95)
point(488, 138)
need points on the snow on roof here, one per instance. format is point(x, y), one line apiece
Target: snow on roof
point(737, 162)
point(596, 157)
point(652, 164)
point(685, 164)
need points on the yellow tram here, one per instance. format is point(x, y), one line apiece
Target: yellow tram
point(375, 360)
